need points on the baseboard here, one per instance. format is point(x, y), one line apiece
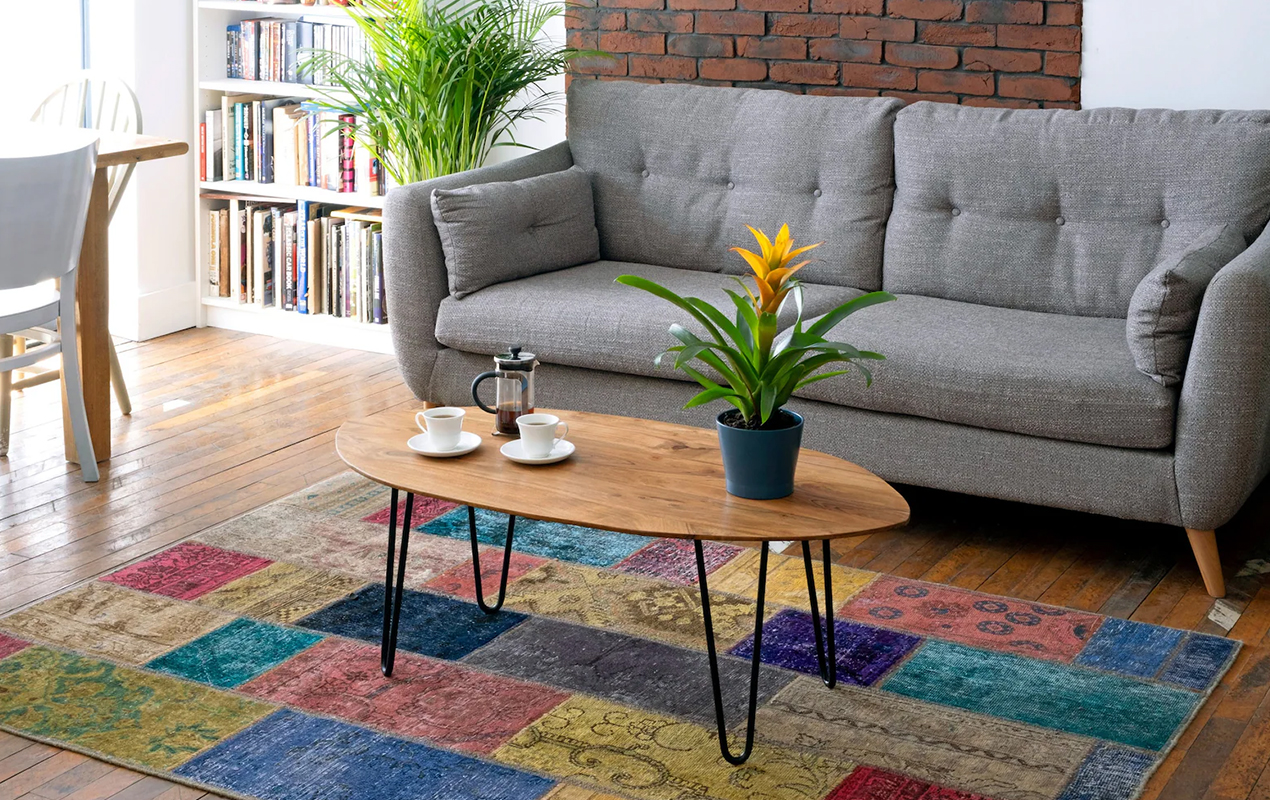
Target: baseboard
point(165, 311)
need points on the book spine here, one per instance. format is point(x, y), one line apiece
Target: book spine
point(315, 149)
point(377, 270)
point(224, 248)
point(348, 172)
point(240, 161)
point(304, 46)
point(302, 209)
point(288, 263)
point(202, 151)
point(213, 255)
point(251, 49)
point(227, 140)
point(290, 36)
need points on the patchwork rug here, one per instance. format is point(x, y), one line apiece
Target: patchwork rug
point(246, 662)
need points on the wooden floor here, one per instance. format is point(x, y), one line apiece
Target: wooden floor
point(223, 422)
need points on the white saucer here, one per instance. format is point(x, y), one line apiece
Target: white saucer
point(422, 444)
point(559, 453)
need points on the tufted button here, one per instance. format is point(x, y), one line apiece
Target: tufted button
point(731, 185)
point(956, 212)
point(644, 173)
point(1060, 221)
point(1164, 223)
point(816, 193)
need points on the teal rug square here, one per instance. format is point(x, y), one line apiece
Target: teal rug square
point(556, 540)
point(230, 656)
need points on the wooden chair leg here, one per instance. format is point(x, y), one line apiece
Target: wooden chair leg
point(1204, 545)
point(116, 380)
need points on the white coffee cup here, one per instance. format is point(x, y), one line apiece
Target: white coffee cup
point(443, 426)
point(538, 434)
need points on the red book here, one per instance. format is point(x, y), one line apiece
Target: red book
point(348, 173)
point(202, 151)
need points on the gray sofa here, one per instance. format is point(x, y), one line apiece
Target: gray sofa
point(1013, 240)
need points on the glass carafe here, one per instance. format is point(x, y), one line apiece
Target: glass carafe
point(513, 376)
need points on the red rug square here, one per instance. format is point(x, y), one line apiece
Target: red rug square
point(870, 783)
point(442, 702)
point(457, 581)
point(425, 509)
point(9, 645)
point(187, 571)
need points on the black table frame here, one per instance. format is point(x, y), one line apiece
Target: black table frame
point(826, 652)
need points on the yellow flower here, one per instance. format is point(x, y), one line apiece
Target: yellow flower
point(772, 272)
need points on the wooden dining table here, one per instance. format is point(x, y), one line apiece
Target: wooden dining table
point(93, 293)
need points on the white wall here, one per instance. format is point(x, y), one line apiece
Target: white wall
point(1177, 54)
point(36, 64)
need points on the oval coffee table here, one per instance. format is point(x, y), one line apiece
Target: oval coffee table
point(633, 476)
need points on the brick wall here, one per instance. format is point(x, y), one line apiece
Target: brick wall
point(1017, 53)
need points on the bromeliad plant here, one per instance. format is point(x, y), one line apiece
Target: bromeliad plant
point(757, 374)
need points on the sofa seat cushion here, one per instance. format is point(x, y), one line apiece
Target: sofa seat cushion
point(1050, 375)
point(579, 317)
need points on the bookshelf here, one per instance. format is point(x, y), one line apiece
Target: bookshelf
point(211, 17)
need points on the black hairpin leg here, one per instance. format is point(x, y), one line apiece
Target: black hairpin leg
point(392, 603)
point(476, 562)
point(714, 658)
point(828, 663)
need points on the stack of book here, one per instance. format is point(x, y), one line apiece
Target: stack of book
point(310, 258)
point(287, 142)
point(271, 49)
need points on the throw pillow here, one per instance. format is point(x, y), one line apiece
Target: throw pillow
point(1165, 306)
point(498, 232)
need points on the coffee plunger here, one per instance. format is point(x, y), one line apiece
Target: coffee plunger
point(513, 376)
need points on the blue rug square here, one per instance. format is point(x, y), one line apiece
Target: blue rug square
point(556, 540)
point(431, 625)
point(1130, 648)
point(293, 756)
point(230, 656)
point(1199, 660)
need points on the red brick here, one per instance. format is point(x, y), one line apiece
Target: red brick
point(699, 46)
point(612, 20)
point(582, 40)
point(914, 97)
point(643, 4)
point(846, 50)
point(926, 56)
point(659, 21)
point(701, 5)
point(1065, 64)
point(771, 47)
point(773, 5)
point(847, 7)
point(629, 42)
point(956, 35)
point(999, 102)
point(600, 65)
point(1036, 88)
point(1060, 104)
point(803, 25)
point(890, 30)
point(879, 77)
point(983, 59)
point(1039, 37)
point(803, 72)
point(925, 9)
point(1023, 12)
point(733, 69)
point(738, 22)
point(956, 82)
point(676, 67)
point(1063, 13)
point(842, 91)
point(576, 18)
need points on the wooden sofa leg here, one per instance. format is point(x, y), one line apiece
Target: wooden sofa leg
point(1204, 544)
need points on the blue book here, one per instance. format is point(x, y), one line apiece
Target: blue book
point(240, 156)
point(302, 256)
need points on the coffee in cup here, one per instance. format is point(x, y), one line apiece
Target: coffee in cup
point(538, 433)
point(443, 425)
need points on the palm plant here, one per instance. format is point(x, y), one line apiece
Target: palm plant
point(757, 374)
point(437, 89)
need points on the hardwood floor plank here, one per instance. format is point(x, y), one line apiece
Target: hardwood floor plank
point(108, 785)
point(72, 780)
point(39, 774)
point(24, 759)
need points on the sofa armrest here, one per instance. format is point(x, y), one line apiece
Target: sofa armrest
point(1223, 414)
point(414, 265)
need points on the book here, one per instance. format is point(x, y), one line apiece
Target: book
point(213, 254)
point(229, 148)
point(225, 245)
point(202, 151)
point(289, 294)
point(347, 160)
point(211, 140)
point(378, 314)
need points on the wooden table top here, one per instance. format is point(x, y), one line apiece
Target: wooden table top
point(113, 149)
point(627, 475)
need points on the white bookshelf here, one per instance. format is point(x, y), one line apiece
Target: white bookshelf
point(210, 83)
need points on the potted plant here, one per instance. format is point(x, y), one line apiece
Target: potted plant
point(444, 81)
point(756, 373)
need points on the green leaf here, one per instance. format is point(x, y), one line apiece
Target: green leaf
point(767, 401)
point(820, 377)
point(829, 321)
point(688, 353)
point(657, 290)
point(709, 395)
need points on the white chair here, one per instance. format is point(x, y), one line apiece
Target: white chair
point(44, 195)
point(101, 102)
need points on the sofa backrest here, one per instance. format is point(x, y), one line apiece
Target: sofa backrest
point(679, 171)
point(1064, 211)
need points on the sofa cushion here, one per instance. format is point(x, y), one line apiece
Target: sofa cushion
point(579, 317)
point(1064, 211)
point(1050, 375)
point(679, 171)
point(496, 232)
point(1165, 306)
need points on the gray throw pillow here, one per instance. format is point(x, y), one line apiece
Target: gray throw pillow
point(1165, 306)
point(498, 232)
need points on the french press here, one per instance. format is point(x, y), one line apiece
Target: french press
point(513, 376)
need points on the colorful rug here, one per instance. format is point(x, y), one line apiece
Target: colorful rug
point(246, 662)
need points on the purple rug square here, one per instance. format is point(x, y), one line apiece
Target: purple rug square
point(864, 654)
point(675, 560)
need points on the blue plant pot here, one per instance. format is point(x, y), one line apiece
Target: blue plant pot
point(759, 464)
